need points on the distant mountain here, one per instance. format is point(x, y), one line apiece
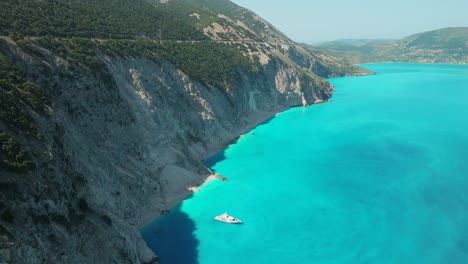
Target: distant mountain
point(351, 42)
point(448, 45)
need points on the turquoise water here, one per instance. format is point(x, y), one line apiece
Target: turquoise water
point(380, 175)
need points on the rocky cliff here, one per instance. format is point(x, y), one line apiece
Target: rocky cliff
point(122, 144)
point(104, 121)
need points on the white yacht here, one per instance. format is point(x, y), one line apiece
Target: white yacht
point(227, 219)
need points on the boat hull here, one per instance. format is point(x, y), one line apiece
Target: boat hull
point(227, 219)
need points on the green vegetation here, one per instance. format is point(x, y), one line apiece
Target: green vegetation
point(15, 93)
point(207, 12)
point(13, 113)
point(13, 157)
point(76, 30)
point(3, 230)
point(323, 63)
point(186, 9)
point(118, 19)
point(128, 48)
point(448, 38)
point(211, 63)
point(77, 51)
point(448, 45)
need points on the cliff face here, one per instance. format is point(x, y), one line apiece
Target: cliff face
point(107, 110)
point(122, 143)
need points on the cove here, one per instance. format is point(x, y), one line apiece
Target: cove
point(379, 175)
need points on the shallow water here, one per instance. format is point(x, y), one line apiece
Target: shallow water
point(380, 175)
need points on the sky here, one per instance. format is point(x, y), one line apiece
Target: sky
point(313, 21)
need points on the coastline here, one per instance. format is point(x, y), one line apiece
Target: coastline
point(237, 196)
point(150, 216)
point(252, 122)
point(194, 189)
point(260, 117)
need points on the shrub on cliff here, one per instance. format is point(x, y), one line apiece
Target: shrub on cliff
point(13, 156)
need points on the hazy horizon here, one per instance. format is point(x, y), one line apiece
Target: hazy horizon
point(320, 21)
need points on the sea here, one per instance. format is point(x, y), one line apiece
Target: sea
point(377, 175)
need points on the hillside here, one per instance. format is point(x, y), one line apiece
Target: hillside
point(107, 108)
point(224, 21)
point(448, 45)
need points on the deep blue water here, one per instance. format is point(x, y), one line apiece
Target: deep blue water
point(379, 175)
